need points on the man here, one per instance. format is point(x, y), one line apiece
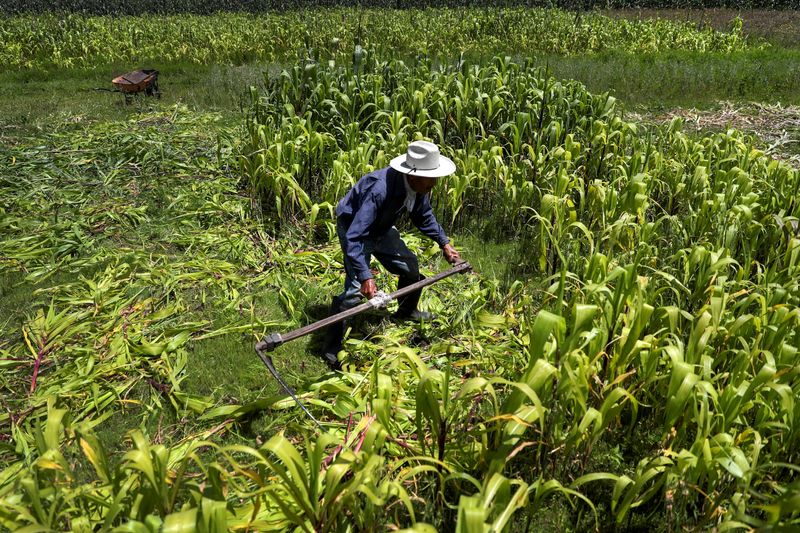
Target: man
point(365, 220)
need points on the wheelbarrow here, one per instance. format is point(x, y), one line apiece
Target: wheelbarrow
point(139, 81)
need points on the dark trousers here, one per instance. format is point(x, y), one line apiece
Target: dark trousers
point(392, 253)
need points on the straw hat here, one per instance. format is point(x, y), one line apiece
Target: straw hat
point(424, 160)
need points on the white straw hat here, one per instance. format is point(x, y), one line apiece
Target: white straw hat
point(424, 160)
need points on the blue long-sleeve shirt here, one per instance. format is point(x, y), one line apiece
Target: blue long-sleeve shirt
point(373, 206)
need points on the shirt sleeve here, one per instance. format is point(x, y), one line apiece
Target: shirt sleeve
point(423, 218)
point(358, 231)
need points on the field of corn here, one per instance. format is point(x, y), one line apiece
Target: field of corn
point(66, 41)
point(625, 356)
point(137, 7)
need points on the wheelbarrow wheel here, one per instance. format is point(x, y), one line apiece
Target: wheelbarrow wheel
point(153, 90)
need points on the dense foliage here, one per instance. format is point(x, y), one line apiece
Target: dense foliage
point(56, 41)
point(642, 370)
point(663, 279)
point(137, 7)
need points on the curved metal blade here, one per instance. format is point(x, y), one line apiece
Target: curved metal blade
point(267, 360)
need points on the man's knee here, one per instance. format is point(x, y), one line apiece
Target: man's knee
point(351, 297)
point(350, 302)
point(407, 261)
point(411, 267)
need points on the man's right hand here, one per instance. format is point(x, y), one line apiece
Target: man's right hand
point(368, 288)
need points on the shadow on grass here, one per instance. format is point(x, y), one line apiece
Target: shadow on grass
point(363, 326)
point(316, 340)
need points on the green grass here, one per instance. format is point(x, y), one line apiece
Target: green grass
point(226, 366)
point(493, 259)
point(161, 425)
point(19, 297)
point(14, 298)
point(41, 101)
point(678, 79)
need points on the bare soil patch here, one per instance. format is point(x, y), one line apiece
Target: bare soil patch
point(776, 126)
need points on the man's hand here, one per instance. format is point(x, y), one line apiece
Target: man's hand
point(368, 288)
point(450, 254)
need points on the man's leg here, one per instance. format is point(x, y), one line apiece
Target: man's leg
point(350, 297)
point(335, 332)
point(393, 254)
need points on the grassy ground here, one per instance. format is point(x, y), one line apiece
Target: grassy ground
point(39, 101)
point(688, 80)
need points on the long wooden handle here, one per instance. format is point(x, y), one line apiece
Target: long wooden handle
point(273, 340)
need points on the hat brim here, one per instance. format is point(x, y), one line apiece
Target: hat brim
point(446, 167)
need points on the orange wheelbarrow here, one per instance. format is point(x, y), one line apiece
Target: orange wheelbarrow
point(138, 81)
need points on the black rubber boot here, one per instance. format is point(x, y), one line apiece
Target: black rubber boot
point(407, 305)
